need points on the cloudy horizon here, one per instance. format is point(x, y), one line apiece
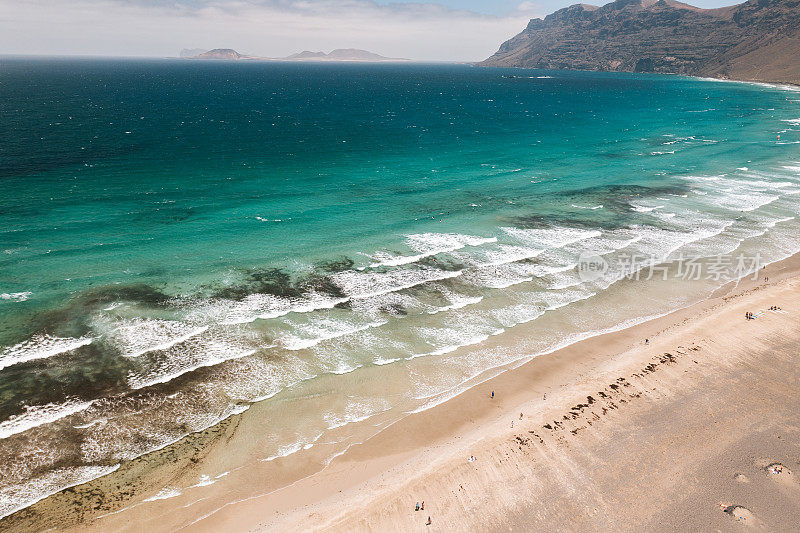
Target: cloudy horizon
point(451, 30)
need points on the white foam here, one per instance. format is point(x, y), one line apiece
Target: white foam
point(429, 244)
point(549, 238)
point(266, 306)
point(503, 255)
point(447, 334)
point(164, 494)
point(498, 279)
point(543, 270)
point(289, 449)
point(644, 208)
point(458, 303)
point(513, 315)
point(39, 415)
point(15, 296)
point(140, 336)
point(610, 242)
point(239, 409)
point(323, 330)
point(361, 285)
point(745, 201)
point(164, 371)
point(40, 347)
point(355, 411)
point(205, 480)
point(98, 422)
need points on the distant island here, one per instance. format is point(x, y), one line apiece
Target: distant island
point(340, 54)
point(220, 53)
point(758, 40)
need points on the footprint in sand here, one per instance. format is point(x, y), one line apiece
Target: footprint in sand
point(743, 515)
point(781, 473)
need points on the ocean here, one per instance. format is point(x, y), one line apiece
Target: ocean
point(338, 245)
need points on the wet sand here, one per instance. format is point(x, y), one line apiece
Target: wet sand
point(682, 433)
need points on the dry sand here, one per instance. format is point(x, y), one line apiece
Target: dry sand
point(698, 430)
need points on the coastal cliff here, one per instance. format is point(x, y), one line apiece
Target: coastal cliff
point(758, 40)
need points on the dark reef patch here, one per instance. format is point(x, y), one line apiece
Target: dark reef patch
point(86, 373)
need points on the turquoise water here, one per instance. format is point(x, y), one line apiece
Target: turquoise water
point(181, 240)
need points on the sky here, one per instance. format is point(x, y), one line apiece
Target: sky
point(441, 30)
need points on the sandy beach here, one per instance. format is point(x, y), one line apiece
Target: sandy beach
point(696, 429)
point(685, 433)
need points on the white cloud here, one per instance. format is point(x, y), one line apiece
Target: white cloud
point(529, 7)
point(271, 28)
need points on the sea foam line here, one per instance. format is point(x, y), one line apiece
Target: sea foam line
point(168, 344)
point(165, 378)
point(40, 347)
point(16, 296)
point(397, 288)
point(460, 242)
point(35, 416)
point(300, 307)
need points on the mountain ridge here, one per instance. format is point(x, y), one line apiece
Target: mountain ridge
point(758, 40)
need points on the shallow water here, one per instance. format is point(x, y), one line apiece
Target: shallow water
point(341, 243)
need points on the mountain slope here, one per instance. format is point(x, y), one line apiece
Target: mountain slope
point(757, 40)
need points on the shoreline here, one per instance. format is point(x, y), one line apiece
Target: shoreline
point(456, 435)
point(465, 415)
point(782, 85)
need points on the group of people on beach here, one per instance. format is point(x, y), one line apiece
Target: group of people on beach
point(419, 507)
point(750, 316)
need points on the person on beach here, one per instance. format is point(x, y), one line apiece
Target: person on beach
point(422, 507)
point(492, 395)
point(646, 342)
point(520, 416)
point(416, 508)
point(428, 522)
